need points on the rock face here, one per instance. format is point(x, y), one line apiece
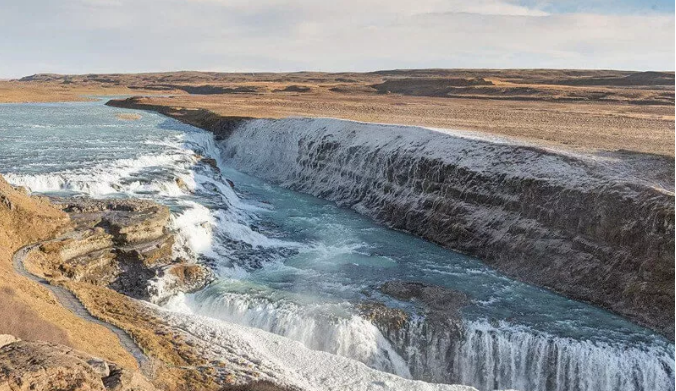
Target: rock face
point(585, 226)
point(440, 304)
point(123, 244)
point(6, 339)
point(44, 366)
point(427, 342)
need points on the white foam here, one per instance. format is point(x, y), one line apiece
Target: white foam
point(194, 228)
point(300, 366)
point(105, 179)
point(316, 326)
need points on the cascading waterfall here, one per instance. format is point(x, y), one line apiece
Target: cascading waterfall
point(485, 356)
point(297, 266)
point(508, 357)
point(491, 358)
point(328, 328)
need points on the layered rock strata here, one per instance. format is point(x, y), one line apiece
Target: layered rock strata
point(124, 245)
point(597, 228)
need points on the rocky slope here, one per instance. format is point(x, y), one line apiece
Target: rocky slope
point(585, 226)
point(38, 365)
point(30, 311)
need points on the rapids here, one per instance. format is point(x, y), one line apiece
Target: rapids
point(297, 266)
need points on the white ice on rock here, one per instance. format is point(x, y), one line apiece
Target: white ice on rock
point(291, 363)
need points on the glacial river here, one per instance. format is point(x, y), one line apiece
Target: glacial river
point(297, 266)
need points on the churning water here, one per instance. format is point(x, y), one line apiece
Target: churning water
point(295, 265)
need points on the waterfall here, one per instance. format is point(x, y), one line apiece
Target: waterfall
point(328, 328)
point(507, 357)
point(482, 355)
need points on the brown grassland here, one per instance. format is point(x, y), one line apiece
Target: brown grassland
point(589, 110)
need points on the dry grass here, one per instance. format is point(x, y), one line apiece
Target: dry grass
point(22, 322)
point(586, 126)
point(168, 349)
point(16, 92)
point(583, 109)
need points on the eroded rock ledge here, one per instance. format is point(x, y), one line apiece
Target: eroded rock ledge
point(121, 244)
point(436, 321)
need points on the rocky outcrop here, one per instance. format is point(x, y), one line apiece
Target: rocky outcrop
point(122, 244)
point(429, 339)
point(589, 227)
point(41, 365)
point(6, 339)
point(384, 317)
point(221, 126)
point(440, 305)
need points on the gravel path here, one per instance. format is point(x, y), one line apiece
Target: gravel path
point(69, 301)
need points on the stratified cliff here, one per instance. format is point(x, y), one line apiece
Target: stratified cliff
point(584, 225)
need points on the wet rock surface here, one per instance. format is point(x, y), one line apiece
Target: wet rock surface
point(384, 317)
point(38, 365)
point(440, 305)
point(125, 245)
point(433, 297)
point(427, 338)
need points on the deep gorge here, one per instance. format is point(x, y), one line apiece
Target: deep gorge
point(556, 220)
point(307, 267)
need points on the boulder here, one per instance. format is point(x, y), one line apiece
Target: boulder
point(6, 339)
point(440, 305)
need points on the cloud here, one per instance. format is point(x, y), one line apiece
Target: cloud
point(81, 36)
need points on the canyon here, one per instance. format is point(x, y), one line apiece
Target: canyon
point(240, 239)
point(565, 221)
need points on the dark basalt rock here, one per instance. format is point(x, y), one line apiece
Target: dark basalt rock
point(384, 317)
point(440, 305)
point(437, 321)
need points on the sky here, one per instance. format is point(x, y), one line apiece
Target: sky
point(107, 36)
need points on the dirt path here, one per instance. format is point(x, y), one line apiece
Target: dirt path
point(69, 301)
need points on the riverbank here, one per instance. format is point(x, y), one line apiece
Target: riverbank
point(547, 218)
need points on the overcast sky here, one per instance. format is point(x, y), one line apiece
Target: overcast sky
point(96, 36)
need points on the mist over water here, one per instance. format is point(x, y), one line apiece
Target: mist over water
point(295, 265)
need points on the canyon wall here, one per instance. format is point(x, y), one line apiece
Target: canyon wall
point(577, 224)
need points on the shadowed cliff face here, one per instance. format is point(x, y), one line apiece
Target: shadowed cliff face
point(557, 221)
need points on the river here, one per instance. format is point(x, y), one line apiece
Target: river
point(299, 266)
